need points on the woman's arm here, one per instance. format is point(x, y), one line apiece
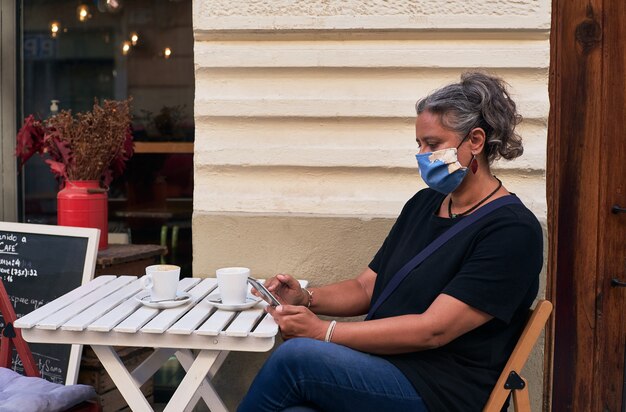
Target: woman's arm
point(446, 319)
point(347, 298)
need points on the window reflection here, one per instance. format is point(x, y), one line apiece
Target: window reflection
point(75, 51)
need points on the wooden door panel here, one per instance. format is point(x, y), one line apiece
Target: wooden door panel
point(586, 177)
point(573, 196)
point(609, 368)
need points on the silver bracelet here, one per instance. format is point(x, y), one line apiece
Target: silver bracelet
point(308, 305)
point(330, 330)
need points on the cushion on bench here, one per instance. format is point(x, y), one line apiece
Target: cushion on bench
point(23, 394)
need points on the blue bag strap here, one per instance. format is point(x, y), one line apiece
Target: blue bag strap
point(436, 244)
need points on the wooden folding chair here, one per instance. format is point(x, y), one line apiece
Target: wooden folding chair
point(510, 379)
point(11, 337)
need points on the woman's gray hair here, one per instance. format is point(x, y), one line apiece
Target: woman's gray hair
point(478, 100)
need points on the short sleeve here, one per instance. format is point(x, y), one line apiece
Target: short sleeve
point(394, 233)
point(391, 240)
point(378, 257)
point(502, 270)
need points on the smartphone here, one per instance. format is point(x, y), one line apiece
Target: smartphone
point(266, 294)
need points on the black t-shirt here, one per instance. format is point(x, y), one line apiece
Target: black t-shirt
point(492, 266)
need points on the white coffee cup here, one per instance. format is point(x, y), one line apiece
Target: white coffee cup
point(162, 281)
point(233, 284)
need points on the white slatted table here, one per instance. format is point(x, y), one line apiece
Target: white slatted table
point(104, 313)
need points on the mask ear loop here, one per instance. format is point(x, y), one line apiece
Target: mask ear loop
point(464, 139)
point(473, 165)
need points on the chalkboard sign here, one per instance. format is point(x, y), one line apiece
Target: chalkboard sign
point(39, 263)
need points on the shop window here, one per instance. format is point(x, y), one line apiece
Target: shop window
point(76, 51)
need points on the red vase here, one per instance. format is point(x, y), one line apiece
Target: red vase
point(83, 203)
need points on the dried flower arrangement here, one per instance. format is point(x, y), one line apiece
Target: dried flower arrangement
point(94, 145)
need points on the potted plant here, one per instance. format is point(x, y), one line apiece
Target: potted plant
point(85, 151)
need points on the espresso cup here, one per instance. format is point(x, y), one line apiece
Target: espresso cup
point(233, 284)
point(162, 281)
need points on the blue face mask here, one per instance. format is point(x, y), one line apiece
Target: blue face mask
point(441, 169)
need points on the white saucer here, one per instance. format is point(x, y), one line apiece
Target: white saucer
point(215, 299)
point(144, 298)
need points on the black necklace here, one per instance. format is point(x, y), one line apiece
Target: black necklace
point(471, 209)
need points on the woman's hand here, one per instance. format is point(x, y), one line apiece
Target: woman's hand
point(287, 289)
point(298, 322)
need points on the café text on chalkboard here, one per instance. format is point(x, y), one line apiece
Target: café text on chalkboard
point(39, 263)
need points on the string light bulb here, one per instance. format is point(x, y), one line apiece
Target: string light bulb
point(167, 52)
point(134, 38)
point(113, 5)
point(82, 12)
point(125, 48)
point(55, 27)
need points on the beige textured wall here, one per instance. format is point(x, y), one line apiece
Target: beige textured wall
point(304, 112)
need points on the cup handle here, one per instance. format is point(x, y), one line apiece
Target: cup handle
point(147, 282)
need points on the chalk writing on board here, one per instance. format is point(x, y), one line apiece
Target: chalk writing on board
point(13, 267)
point(9, 243)
point(10, 262)
point(37, 268)
point(47, 365)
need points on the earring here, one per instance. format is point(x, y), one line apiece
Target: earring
point(474, 164)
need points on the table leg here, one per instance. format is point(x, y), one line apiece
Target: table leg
point(124, 381)
point(191, 382)
point(152, 364)
point(186, 358)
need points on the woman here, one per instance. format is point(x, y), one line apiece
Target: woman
point(441, 339)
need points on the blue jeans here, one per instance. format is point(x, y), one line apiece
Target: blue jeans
point(309, 375)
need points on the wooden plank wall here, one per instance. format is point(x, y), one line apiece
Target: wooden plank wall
point(610, 369)
point(587, 91)
point(572, 212)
